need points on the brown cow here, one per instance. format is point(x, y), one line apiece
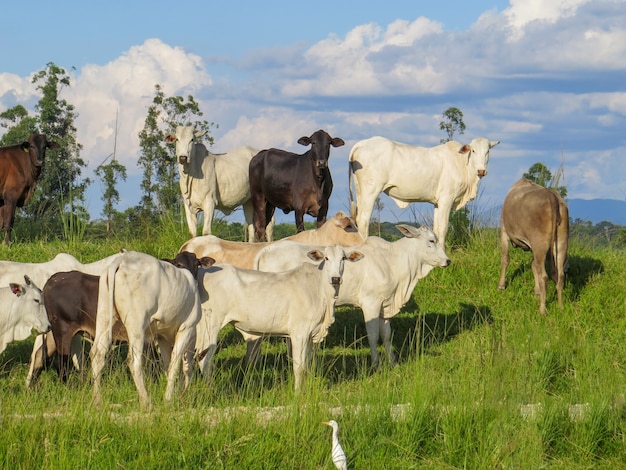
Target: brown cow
point(20, 167)
point(292, 182)
point(338, 230)
point(536, 218)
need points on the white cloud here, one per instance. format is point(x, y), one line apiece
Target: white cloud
point(523, 12)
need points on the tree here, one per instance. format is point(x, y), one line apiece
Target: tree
point(109, 173)
point(19, 125)
point(59, 188)
point(452, 122)
point(539, 173)
point(160, 190)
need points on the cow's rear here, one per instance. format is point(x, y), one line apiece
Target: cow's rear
point(536, 219)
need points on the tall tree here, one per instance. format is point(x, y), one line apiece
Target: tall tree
point(109, 174)
point(59, 188)
point(160, 190)
point(452, 122)
point(540, 174)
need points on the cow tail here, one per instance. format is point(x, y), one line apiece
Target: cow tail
point(353, 206)
point(555, 240)
point(106, 292)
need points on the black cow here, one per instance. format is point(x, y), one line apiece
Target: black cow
point(20, 167)
point(292, 182)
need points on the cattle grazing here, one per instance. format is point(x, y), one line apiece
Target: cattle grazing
point(298, 304)
point(20, 167)
point(380, 284)
point(446, 175)
point(210, 181)
point(154, 300)
point(21, 311)
point(537, 219)
point(292, 182)
point(338, 230)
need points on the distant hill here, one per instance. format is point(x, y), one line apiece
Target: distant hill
point(598, 210)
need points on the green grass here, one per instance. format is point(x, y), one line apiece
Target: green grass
point(484, 381)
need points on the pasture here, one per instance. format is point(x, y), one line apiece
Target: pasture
point(483, 381)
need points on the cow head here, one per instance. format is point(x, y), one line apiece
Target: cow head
point(430, 250)
point(188, 260)
point(185, 137)
point(320, 143)
point(331, 261)
point(36, 146)
point(478, 154)
point(32, 311)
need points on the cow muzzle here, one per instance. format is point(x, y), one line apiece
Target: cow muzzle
point(183, 159)
point(481, 173)
point(335, 281)
point(321, 163)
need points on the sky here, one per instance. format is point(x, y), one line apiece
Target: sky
point(546, 78)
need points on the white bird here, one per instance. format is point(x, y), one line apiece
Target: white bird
point(339, 456)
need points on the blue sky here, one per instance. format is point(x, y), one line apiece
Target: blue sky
point(547, 78)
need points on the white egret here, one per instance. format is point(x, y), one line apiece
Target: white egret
point(339, 456)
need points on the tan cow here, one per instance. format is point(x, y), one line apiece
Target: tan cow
point(536, 218)
point(338, 230)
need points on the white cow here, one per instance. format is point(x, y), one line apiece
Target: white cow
point(381, 284)
point(210, 181)
point(39, 273)
point(154, 300)
point(21, 311)
point(446, 175)
point(338, 230)
point(298, 304)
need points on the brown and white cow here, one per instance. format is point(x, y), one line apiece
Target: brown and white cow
point(154, 300)
point(20, 167)
point(338, 230)
point(446, 176)
point(292, 182)
point(537, 219)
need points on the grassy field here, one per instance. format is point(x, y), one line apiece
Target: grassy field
point(483, 382)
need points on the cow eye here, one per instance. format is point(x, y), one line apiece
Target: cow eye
point(37, 301)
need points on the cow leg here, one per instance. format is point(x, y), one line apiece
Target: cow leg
point(504, 257)
point(261, 207)
point(301, 346)
point(209, 213)
point(183, 346)
point(135, 360)
point(206, 344)
point(441, 214)
point(43, 348)
point(8, 216)
point(541, 278)
point(192, 218)
point(386, 333)
point(372, 325)
point(365, 207)
point(299, 221)
point(101, 345)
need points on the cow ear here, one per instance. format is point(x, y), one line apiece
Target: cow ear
point(337, 142)
point(199, 133)
point(169, 138)
point(304, 140)
point(315, 255)
point(206, 262)
point(17, 289)
point(355, 256)
point(466, 148)
point(493, 143)
point(407, 230)
point(25, 146)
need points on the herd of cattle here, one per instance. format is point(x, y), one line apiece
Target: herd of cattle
point(262, 287)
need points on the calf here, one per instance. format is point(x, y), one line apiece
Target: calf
point(292, 182)
point(21, 311)
point(536, 218)
point(380, 284)
point(298, 304)
point(154, 300)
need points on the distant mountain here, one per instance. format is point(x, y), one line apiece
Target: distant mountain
point(598, 210)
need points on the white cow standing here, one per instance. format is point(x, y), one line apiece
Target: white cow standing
point(380, 284)
point(211, 181)
point(154, 300)
point(21, 311)
point(298, 304)
point(446, 175)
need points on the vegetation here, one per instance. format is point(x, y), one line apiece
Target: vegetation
point(484, 381)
